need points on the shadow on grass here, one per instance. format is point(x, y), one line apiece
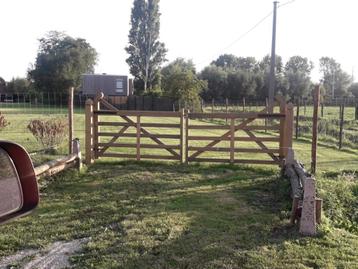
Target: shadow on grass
point(155, 215)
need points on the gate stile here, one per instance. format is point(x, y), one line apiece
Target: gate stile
point(100, 148)
point(183, 151)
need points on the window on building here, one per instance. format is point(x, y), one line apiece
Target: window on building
point(119, 86)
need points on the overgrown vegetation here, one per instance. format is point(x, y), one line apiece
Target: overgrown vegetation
point(3, 122)
point(50, 133)
point(339, 191)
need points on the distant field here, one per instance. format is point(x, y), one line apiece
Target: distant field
point(329, 158)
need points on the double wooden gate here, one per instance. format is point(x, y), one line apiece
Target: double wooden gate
point(188, 137)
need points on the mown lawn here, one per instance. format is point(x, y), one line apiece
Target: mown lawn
point(165, 215)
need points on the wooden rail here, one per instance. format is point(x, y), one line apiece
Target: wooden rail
point(55, 166)
point(108, 128)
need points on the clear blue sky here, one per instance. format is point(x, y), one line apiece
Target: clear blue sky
point(200, 30)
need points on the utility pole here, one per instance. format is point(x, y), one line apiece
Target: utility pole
point(333, 78)
point(273, 60)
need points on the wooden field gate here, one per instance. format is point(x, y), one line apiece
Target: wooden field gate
point(175, 134)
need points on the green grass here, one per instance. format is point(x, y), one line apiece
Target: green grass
point(329, 157)
point(164, 215)
point(167, 215)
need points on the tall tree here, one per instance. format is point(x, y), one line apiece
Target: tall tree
point(226, 61)
point(353, 89)
point(216, 78)
point(297, 72)
point(181, 82)
point(60, 62)
point(146, 52)
point(2, 85)
point(335, 80)
point(18, 85)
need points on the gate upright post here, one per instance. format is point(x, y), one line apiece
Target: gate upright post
point(283, 110)
point(70, 119)
point(182, 130)
point(186, 144)
point(96, 107)
point(89, 131)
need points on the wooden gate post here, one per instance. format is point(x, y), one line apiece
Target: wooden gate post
point(96, 107)
point(282, 125)
point(70, 119)
point(232, 140)
point(288, 132)
point(89, 131)
point(186, 145)
point(316, 97)
point(182, 138)
point(341, 122)
point(297, 118)
point(138, 131)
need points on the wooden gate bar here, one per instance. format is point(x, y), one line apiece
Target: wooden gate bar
point(113, 140)
point(232, 140)
point(138, 138)
point(143, 146)
point(213, 143)
point(144, 131)
point(261, 145)
point(237, 138)
point(127, 124)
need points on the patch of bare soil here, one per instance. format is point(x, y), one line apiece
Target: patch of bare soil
point(53, 257)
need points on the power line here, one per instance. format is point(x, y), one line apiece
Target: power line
point(286, 3)
point(251, 29)
point(244, 34)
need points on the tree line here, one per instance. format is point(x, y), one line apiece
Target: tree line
point(228, 76)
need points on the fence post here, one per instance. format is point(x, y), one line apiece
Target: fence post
point(138, 138)
point(282, 125)
point(341, 126)
point(186, 145)
point(308, 217)
point(297, 117)
point(322, 109)
point(243, 104)
point(226, 107)
point(70, 119)
point(316, 97)
point(356, 112)
point(266, 106)
point(77, 150)
point(89, 131)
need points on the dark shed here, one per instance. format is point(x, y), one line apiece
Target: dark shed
point(109, 84)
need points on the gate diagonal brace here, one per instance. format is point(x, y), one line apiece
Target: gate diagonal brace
point(144, 131)
point(113, 140)
point(226, 135)
point(261, 145)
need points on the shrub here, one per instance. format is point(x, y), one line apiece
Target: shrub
point(340, 196)
point(50, 133)
point(3, 122)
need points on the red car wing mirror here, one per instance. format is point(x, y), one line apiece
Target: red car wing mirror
point(19, 193)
